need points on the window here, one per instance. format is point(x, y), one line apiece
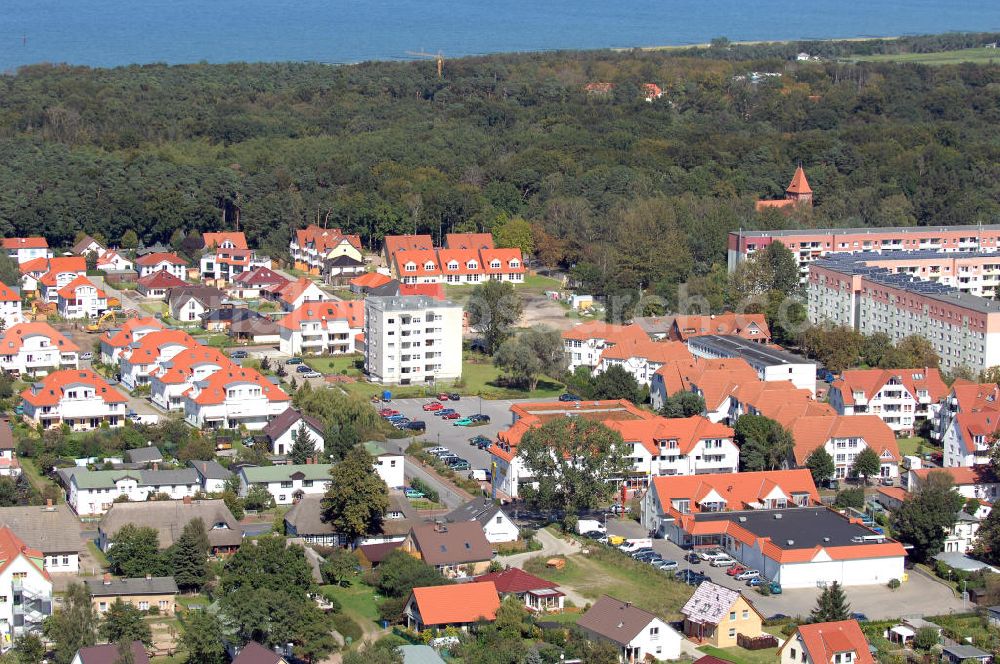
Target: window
point(792, 653)
point(65, 560)
point(732, 615)
point(499, 518)
point(732, 632)
point(144, 606)
point(654, 631)
point(286, 484)
point(163, 603)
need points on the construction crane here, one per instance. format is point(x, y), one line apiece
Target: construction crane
point(439, 57)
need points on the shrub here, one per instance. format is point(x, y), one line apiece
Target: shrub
point(894, 583)
point(346, 626)
point(426, 489)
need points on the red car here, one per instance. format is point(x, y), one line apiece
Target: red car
point(432, 406)
point(443, 396)
point(735, 569)
point(451, 416)
point(388, 412)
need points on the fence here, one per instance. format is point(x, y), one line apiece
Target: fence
point(756, 642)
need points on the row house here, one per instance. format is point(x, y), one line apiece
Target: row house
point(162, 261)
point(93, 492)
point(81, 298)
point(323, 328)
point(141, 358)
point(30, 349)
point(584, 344)
point(294, 294)
point(113, 342)
point(312, 247)
point(641, 358)
point(970, 438)
point(11, 312)
point(457, 266)
point(965, 397)
point(844, 437)
point(78, 398)
point(226, 256)
point(782, 402)
point(45, 276)
point(113, 261)
point(173, 377)
point(902, 398)
point(234, 397)
point(255, 284)
point(25, 249)
point(288, 483)
point(752, 327)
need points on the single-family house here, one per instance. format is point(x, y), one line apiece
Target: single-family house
point(716, 615)
point(282, 431)
point(147, 455)
point(33, 349)
point(143, 594)
point(11, 312)
point(45, 276)
point(537, 594)
point(169, 517)
point(189, 303)
point(115, 340)
point(970, 437)
point(253, 284)
point(93, 492)
point(113, 261)
point(637, 633)
point(455, 549)
point(388, 465)
point(296, 293)
point(156, 285)
point(497, 526)
point(254, 653)
point(826, 643)
point(211, 474)
point(162, 262)
point(457, 606)
point(24, 249)
point(288, 483)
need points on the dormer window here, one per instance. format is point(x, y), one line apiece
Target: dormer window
point(453, 265)
point(410, 267)
point(428, 266)
point(515, 263)
point(472, 265)
point(495, 264)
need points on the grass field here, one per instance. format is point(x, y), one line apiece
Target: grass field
point(909, 446)
point(607, 572)
point(36, 478)
point(359, 601)
point(739, 655)
point(336, 364)
point(977, 55)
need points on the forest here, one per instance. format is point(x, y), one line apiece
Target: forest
point(610, 184)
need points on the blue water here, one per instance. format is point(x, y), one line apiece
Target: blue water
point(119, 32)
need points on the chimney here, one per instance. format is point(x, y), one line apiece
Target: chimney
point(107, 579)
point(187, 500)
point(204, 468)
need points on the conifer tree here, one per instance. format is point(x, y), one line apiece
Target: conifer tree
point(303, 447)
point(190, 556)
point(831, 606)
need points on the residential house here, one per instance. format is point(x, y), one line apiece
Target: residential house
point(902, 398)
point(254, 653)
point(173, 377)
point(840, 642)
point(88, 245)
point(313, 246)
point(325, 328)
point(419, 654)
point(296, 293)
point(363, 283)
point(412, 340)
point(970, 437)
point(391, 244)
point(189, 304)
point(388, 465)
point(305, 521)
point(222, 319)
point(770, 363)
point(456, 549)
point(340, 269)
point(24, 249)
point(147, 455)
point(638, 634)
point(965, 654)
point(10, 307)
point(112, 261)
point(211, 474)
point(24, 580)
point(169, 517)
point(162, 262)
point(466, 258)
point(78, 398)
point(844, 437)
point(226, 256)
point(537, 594)
point(81, 298)
point(93, 492)
point(585, 343)
point(50, 529)
point(779, 400)
point(965, 397)
point(142, 358)
point(287, 483)
point(979, 482)
point(9, 465)
point(371, 555)
point(457, 606)
point(713, 380)
point(497, 526)
point(115, 340)
point(751, 327)
point(143, 594)
point(716, 615)
point(641, 358)
point(254, 284)
point(46, 276)
point(233, 397)
point(255, 329)
point(109, 653)
point(282, 431)
point(656, 328)
point(33, 349)
point(769, 521)
point(156, 285)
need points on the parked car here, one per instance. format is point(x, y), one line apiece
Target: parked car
point(89, 356)
point(432, 406)
point(294, 360)
point(711, 554)
point(593, 534)
point(479, 440)
point(568, 397)
point(444, 411)
point(134, 416)
point(454, 396)
point(666, 565)
point(746, 575)
point(311, 374)
point(412, 493)
point(725, 561)
point(451, 416)
point(416, 425)
point(236, 355)
point(480, 475)
point(303, 368)
point(401, 422)
point(386, 412)
point(690, 577)
point(442, 396)
point(463, 422)
point(860, 617)
point(435, 450)
point(693, 558)
point(479, 417)
point(735, 569)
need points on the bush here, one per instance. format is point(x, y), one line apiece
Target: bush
point(894, 583)
point(854, 497)
point(426, 489)
point(346, 626)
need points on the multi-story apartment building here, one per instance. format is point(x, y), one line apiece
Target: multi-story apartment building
point(809, 245)
point(324, 328)
point(412, 339)
point(963, 329)
point(155, 262)
point(113, 342)
point(844, 437)
point(902, 398)
point(10, 306)
point(226, 256)
point(25, 585)
point(313, 246)
point(234, 397)
point(586, 343)
point(970, 438)
point(81, 298)
point(965, 397)
point(141, 358)
point(24, 249)
point(172, 378)
point(770, 363)
point(78, 398)
point(466, 258)
point(31, 349)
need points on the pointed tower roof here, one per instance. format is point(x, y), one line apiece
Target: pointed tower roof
point(799, 184)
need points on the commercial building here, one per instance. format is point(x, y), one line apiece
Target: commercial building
point(78, 398)
point(323, 328)
point(33, 349)
point(962, 328)
point(412, 340)
point(902, 398)
point(770, 364)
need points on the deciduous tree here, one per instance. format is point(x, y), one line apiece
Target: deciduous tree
point(764, 444)
point(683, 404)
point(616, 383)
point(821, 465)
point(358, 498)
point(202, 638)
point(866, 464)
point(125, 623)
point(924, 519)
point(494, 308)
point(72, 626)
point(135, 552)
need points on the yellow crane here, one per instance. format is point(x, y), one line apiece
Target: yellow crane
point(438, 57)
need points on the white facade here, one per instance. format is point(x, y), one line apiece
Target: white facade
point(390, 468)
point(319, 337)
point(112, 261)
point(412, 340)
point(36, 350)
point(894, 404)
point(178, 270)
point(81, 405)
point(282, 444)
point(965, 448)
point(10, 307)
point(169, 395)
point(19, 249)
point(232, 398)
point(92, 493)
point(27, 592)
point(770, 365)
point(499, 529)
point(84, 301)
point(136, 366)
point(287, 483)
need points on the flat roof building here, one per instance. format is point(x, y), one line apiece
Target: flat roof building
point(769, 362)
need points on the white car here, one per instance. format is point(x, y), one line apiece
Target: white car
point(312, 374)
point(436, 450)
point(748, 574)
point(724, 561)
point(87, 356)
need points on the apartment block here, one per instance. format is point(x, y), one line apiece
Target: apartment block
point(412, 339)
point(323, 328)
point(902, 398)
point(80, 399)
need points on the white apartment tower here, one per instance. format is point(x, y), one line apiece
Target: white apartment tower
point(412, 339)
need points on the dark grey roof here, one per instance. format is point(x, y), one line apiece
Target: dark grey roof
point(387, 289)
point(156, 585)
point(108, 654)
point(49, 529)
point(478, 509)
point(961, 652)
point(255, 326)
point(168, 477)
point(344, 261)
point(452, 544)
point(305, 516)
point(288, 419)
point(796, 527)
point(158, 248)
point(210, 470)
point(912, 230)
point(231, 314)
point(614, 620)
point(149, 454)
point(209, 296)
point(168, 518)
point(756, 355)
point(654, 324)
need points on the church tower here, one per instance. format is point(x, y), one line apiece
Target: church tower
point(799, 189)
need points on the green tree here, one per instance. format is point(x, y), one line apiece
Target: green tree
point(572, 460)
point(783, 267)
point(764, 444)
point(926, 638)
point(202, 638)
point(987, 546)
point(838, 348)
point(135, 552)
point(397, 575)
point(258, 498)
point(911, 352)
point(925, 518)
point(616, 383)
point(875, 348)
point(90, 260)
point(130, 240)
point(9, 493)
point(866, 464)
point(535, 351)
point(683, 404)
point(494, 308)
point(821, 465)
point(339, 440)
point(189, 557)
point(29, 649)
point(303, 447)
point(374, 654)
point(73, 625)
point(10, 273)
point(515, 233)
point(832, 605)
point(125, 623)
point(197, 448)
point(852, 497)
point(358, 498)
point(339, 567)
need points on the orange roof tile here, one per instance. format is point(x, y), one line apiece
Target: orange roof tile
point(457, 261)
point(824, 640)
point(961, 475)
point(123, 337)
point(160, 257)
point(505, 256)
point(781, 203)
point(352, 311)
point(458, 603)
point(68, 292)
point(533, 414)
point(7, 294)
point(109, 257)
point(12, 546)
point(13, 338)
point(799, 184)
point(813, 432)
point(740, 325)
point(370, 280)
point(870, 381)
point(429, 290)
point(237, 238)
point(976, 396)
point(25, 243)
point(293, 290)
point(474, 241)
point(687, 431)
point(425, 261)
point(659, 352)
point(739, 490)
point(181, 367)
point(147, 349)
point(606, 331)
point(51, 388)
point(396, 243)
point(325, 239)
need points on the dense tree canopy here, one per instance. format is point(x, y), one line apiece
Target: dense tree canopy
point(924, 519)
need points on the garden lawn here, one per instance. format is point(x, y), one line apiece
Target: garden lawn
point(608, 572)
point(335, 364)
point(359, 602)
point(909, 446)
point(38, 480)
point(739, 655)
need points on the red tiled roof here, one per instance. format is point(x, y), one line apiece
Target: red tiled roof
point(960, 475)
point(458, 603)
point(161, 279)
point(514, 580)
point(687, 431)
point(824, 640)
point(421, 259)
point(813, 432)
point(799, 184)
point(260, 276)
point(293, 290)
point(352, 311)
point(370, 280)
point(109, 257)
point(53, 385)
point(324, 239)
point(68, 292)
point(180, 368)
point(607, 331)
point(213, 391)
point(160, 257)
point(475, 241)
point(976, 396)
point(13, 338)
point(7, 294)
point(870, 381)
point(739, 490)
point(729, 323)
point(11, 546)
point(506, 257)
point(25, 243)
point(147, 349)
point(780, 203)
point(659, 352)
point(237, 238)
point(123, 337)
point(429, 290)
point(396, 243)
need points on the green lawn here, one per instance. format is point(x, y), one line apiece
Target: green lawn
point(909, 446)
point(978, 55)
point(540, 283)
point(36, 478)
point(336, 364)
point(739, 655)
point(359, 601)
point(608, 572)
point(97, 554)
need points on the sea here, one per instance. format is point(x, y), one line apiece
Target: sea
point(109, 33)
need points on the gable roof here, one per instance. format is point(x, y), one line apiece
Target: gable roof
point(714, 379)
point(452, 544)
point(293, 290)
point(237, 238)
point(147, 349)
point(515, 580)
point(160, 257)
point(123, 337)
point(254, 653)
point(288, 419)
point(155, 585)
point(55, 265)
point(870, 381)
point(435, 290)
point(610, 332)
point(396, 243)
point(722, 324)
point(107, 653)
point(812, 432)
point(659, 352)
point(351, 311)
point(49, 530)
point(168, 518)
point(711, 602)
point(212, 390)
point(475, 241)
point(110, 256)
point(49, 391)
point(739, 490)
point(376, 553)
point(8, 294)
point(823, 640)
point(68, 291)
point(961, 475)
point(13, 338)
point(457, 603)
point(84, 244)
point(619, 622)
point(180, 368)
point(161, 280)
point(687, 431)
point(260, 276)
point(210, 297)
point(370, 280)
point(34, 242)
point(478, 509)
point(210, 470)
point(147, 454)
point(308, 471)
point(324, 239)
